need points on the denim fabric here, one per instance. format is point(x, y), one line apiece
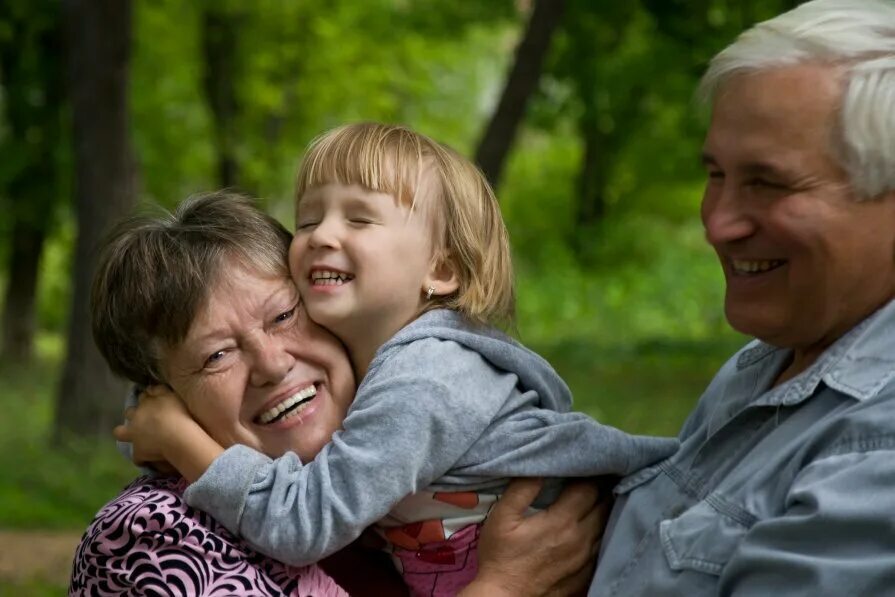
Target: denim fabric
point(787, 490)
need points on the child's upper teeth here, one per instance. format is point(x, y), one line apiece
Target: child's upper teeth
point(319, 275)
point(325, 275)
point(272, 413)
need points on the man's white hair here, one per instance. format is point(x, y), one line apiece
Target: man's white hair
point(859, 36)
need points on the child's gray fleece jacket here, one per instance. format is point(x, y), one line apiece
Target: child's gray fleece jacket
point(446, 406)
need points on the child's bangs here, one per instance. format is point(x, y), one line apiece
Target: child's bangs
point(384, 161)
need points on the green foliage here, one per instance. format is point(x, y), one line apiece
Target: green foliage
point(32, 588)
point(42, 485)
point(632, 291)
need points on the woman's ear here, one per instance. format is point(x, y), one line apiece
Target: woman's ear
point(442, 276)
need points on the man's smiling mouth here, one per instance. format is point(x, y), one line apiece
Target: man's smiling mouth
point(329, 278)
point(289, 407)
point(744, 267)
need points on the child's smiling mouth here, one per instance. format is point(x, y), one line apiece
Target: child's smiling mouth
point(322, 277)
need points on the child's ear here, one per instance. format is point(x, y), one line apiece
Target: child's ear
point(442, 276)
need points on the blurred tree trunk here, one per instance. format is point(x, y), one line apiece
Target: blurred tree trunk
point(30, 63)
point(99, 37)
point(219, 48)
point(19, 319)
point(593, 175)
point(523, 80)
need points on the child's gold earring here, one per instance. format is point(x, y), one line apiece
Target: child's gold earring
point(429, 292)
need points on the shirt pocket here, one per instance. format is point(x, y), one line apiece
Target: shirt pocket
point(704, 537)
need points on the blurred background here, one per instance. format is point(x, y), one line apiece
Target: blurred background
point(581, 112)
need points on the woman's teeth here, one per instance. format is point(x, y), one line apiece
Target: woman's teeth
point(289, 407)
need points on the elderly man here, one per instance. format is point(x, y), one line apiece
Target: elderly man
point(785, 480)
point(784, 483)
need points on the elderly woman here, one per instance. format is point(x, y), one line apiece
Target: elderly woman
point(202, 301)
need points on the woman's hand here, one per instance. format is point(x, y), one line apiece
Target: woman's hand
point(162, 432)
point(551, 552)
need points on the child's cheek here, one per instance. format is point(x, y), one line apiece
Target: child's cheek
point(295, 253)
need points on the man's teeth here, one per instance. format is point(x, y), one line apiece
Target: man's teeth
point(752, 267)
point(291, 406)
point(328, 278)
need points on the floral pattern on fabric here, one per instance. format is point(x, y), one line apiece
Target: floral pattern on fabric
point(147, 541)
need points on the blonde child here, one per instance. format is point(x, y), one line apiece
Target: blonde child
point(401, 252)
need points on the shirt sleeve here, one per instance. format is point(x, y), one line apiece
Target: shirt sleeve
point(404, 430)
point(836, 537)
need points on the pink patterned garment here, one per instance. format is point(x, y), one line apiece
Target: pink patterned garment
point(147, 541)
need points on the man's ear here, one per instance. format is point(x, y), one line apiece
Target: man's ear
point(442, 276)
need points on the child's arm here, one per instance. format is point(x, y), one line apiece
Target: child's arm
point(406, 428)
point(162, 430)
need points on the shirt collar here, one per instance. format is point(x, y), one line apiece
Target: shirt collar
point(859, 364)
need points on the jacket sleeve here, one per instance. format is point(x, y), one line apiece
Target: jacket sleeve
point(403, 431)
point(836, 537)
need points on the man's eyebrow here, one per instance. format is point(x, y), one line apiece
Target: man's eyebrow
point(764, 169)
point(751, 168)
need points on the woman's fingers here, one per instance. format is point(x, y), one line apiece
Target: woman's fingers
point(156, 390)
point(122, 433)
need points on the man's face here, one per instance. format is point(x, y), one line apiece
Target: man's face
point(804, 260)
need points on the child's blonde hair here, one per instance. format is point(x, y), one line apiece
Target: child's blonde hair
point(470, 235)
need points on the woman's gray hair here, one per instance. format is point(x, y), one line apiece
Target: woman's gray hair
point(859, 36)
point(155, 273)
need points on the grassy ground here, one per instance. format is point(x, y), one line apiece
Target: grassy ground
point(648, 388)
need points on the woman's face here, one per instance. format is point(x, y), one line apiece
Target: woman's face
point(254, 370)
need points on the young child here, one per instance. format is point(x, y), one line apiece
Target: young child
point(401, 252)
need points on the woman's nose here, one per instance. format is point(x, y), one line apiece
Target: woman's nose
point(271, 362)
point(725, 218)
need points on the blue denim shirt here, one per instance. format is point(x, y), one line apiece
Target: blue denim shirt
point(787, 490)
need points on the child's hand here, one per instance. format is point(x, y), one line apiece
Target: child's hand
point(158, 420)
point(164, 434)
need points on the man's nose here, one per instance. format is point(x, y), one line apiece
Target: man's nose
point(725, 217)
point(271, 362)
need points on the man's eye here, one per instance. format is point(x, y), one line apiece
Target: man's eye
point(715, 175)
point(762, 183)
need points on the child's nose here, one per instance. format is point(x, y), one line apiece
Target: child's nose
point(326, 234)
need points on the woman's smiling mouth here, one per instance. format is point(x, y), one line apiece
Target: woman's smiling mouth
point(289, 407)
